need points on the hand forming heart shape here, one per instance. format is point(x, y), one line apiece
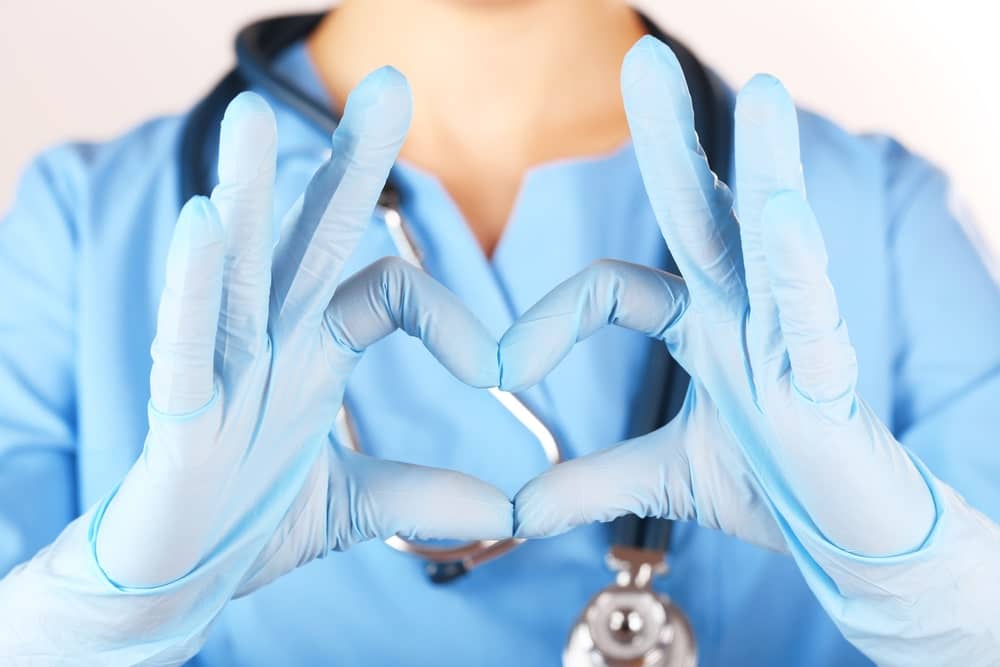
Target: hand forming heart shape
point(254, 346)
point(771, 418)
point(773, 443)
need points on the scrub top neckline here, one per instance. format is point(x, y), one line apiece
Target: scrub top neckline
point(421, 179)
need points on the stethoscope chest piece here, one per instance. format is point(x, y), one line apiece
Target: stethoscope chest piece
point(628, 624)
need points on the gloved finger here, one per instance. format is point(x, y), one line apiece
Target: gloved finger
point(183, 373)
point(661, 475)
point(692, 206)
point(608, 292)
point(767, 161)
point(393, 294)
point(341, 196)
point(379, 499)
point(824, 364)
point(247, 156)
point(644, 476)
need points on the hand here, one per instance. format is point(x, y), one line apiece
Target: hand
point(772, 442)
point(250, 362)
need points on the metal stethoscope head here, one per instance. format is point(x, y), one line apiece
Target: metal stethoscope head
point(447, 563)
point(628, 624)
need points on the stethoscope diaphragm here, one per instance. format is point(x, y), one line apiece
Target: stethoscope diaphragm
point(627, 624)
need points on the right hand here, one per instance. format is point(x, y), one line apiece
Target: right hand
point(772, 443)
point(250, 362)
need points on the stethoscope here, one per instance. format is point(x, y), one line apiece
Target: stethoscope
point(627, 624)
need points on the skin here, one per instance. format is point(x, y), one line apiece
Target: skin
point(496, 89)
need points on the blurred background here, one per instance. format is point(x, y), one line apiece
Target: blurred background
point(922, 70)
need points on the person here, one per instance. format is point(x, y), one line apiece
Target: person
point(156, 511)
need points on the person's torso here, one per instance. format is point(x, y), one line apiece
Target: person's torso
point(373, 605)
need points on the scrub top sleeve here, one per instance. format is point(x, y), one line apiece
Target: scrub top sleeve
point(947, 316)
point(37, 342)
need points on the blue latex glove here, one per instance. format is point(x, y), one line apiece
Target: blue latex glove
point(772, 443)
point(238, 482)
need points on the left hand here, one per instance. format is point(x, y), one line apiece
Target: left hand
point(254, 347)
point(773, 439)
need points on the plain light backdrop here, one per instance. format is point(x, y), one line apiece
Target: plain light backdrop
point(922, 70)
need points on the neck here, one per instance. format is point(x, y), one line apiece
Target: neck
point(504, 84)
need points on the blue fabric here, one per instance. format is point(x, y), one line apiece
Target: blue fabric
point(81, 263)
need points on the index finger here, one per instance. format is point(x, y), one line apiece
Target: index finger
point(608, 292)
point(392, 294)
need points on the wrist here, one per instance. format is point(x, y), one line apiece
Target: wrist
point(302, 536)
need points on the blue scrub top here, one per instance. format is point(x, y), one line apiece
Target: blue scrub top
point(81, 265)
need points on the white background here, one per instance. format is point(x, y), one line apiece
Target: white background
point(924, 70)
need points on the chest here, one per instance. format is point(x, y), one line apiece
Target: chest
point(406, 406)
